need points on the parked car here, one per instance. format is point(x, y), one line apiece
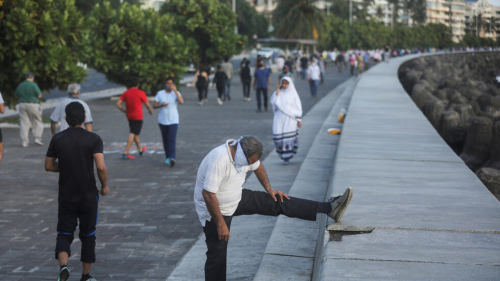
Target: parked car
point(266, 52)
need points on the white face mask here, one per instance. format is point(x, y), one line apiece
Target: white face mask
point(240, 160)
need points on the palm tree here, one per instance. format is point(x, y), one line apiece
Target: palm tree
point(417, 10)
point(476, 25)
point(379, 12)
point(492, 25)
point(297, 19)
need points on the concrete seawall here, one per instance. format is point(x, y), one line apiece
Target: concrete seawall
point(433, 219)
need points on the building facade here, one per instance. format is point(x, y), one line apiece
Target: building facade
point(480, 17)
point(450, 13)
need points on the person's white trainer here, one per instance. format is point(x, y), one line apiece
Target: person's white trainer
point(339, 204)
point(219, 101)
point(25, 144)
point(39, 142)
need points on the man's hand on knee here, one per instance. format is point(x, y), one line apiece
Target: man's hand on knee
point(273, 194)
point(223, 231)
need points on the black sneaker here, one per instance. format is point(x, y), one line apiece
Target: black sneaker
point(89, 278)
point(172, 162)
point(339, 204)
point(63, 274)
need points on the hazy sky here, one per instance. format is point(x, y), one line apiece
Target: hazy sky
point(494, 2)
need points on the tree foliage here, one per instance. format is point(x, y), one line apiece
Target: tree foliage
point(207, 24)
point(373, 34)
point(86, 6)
point(47, 37)
point(132, 42)
point(298, 19)
point(249, 21)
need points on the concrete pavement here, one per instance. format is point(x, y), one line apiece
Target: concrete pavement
point(433, 219)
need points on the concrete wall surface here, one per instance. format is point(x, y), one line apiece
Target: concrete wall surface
point(433, 218)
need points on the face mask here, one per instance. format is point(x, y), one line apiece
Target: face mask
point(240, 160)
point(168, 89)
point(284, 90)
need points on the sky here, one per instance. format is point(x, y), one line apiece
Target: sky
point(494, 2)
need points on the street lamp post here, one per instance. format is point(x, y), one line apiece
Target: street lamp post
point(234, 11)
point(350, 12)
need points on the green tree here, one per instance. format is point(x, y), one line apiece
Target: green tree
point(47, 37)
point(249, 21)
point(298, 19)
point(86, 6)
point(132, 42)
point(208, 24)
point(470, 40)
point(417, 11)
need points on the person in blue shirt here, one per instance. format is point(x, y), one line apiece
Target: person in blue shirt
point(168, 119)
point(262, 83)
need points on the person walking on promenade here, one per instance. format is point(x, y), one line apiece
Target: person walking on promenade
point(220, 79)
point(77, 150)
point(303, 66)
point(168, 119)
point(219, 196)
point(287, 110)
point(30, 110)
point(2, 111)
point(313, 76)
point(340, 61)
point(352, 62)
point(289, 63)
point(285, 73)
point(360, 62)
point(280, 62)
point(200, 81)
point(322, 68)
point(228, 69)
point(134, 98)
point(261, 84)
point(59, 114)
point(367, 61)
point(246, 80)
point(387, 53)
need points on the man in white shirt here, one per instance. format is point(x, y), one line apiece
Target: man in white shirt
point(219, 196)
point(313, 76)
point(59, 114)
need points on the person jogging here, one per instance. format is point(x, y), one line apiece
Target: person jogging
point(219, 196)
point(76, 151)
point(134, 98)
point(168, 119)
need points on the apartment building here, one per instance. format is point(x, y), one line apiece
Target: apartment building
point(450, 13)
point(486, 13)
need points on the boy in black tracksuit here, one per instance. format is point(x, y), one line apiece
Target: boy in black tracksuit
point(220, 78)
point(77, 150)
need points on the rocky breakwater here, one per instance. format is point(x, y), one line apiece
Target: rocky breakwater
point(460, 96)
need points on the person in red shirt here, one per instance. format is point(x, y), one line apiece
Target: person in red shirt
point(134, 98)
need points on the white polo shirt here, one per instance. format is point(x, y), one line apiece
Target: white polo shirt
point(59, 113)
point(217, 174)
point(314, 72)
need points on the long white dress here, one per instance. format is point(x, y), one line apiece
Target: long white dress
point(287, 110)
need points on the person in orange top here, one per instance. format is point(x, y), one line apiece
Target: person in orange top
point(134, 98)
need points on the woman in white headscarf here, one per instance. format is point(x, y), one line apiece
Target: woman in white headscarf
point(287, 110)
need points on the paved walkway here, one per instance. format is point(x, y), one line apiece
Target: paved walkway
point(147, 222)
point(433, 219)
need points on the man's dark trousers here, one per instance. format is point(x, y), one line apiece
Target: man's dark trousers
point(70, 214)
point(252, 202)
point(262, 91)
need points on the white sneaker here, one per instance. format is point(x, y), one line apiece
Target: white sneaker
point(249, 99)
point(25, 144)
point(219, 101)
point(39, 142)
point(200, 103)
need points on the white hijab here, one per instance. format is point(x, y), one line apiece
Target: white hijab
point(294, 109)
